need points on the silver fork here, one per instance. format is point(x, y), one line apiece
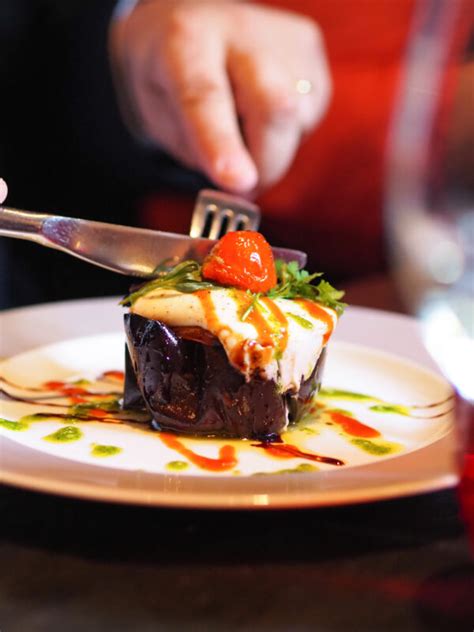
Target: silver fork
point(217, 213)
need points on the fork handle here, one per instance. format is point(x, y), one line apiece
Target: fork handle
point(22, 224)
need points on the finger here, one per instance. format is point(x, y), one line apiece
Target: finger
point(273, 147)
point(198, 87)
point(269, 106)
point(314, 103)
point(3, 190)
point(144, 106)
point(160, 124)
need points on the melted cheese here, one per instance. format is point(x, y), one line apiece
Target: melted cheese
point(280, 339)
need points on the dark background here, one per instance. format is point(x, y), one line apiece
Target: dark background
point(63, 146)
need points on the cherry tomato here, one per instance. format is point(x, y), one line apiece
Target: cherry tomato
point(242, 259)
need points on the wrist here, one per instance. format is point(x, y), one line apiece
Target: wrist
point(123, 8)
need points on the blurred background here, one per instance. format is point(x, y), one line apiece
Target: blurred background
point(64, 147)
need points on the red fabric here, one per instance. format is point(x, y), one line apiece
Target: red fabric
point(330, 202)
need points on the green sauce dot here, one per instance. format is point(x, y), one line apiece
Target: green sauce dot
point(302, 467)
point(378, 449)
point(305, 467)
point(390, 408)
point(177, 466)
point(104, 450)
point(16, 426)
point(340, 394)
point(64, 435)
point(43, 417)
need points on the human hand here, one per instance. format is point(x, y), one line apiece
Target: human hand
point(215, 83)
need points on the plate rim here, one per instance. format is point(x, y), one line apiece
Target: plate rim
point(195, 500)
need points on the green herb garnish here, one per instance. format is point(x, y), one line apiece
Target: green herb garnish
point(302, 322)
point(253, 305)
point(296, 283)
point(185, 277)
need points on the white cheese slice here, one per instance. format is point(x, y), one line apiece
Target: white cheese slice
point(282, 342)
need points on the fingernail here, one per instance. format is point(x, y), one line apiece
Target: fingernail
point(239, 174)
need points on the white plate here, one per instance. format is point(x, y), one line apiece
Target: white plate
point(139, 474)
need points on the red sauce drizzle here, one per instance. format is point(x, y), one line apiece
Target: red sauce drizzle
point(115, 375)
point(288, 451)
point(264, 331)
point(213, 323)
point(282, 320)
point(246, 347)
point(69, 390)
point(226, 461)
point(73, 391)
point(319, 313)
point(353, 427)
point(98, 413)
point(76, 394)
point(53, 386)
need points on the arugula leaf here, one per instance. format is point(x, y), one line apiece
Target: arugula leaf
point(328, 295)
point(185, 277)
point(296, 283)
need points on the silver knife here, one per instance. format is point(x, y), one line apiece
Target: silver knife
point(123, 249)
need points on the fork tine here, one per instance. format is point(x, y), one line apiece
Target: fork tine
point(221, 213)
point(233, 224)
point(202, 211)
point(247, 222)
point(220, 223)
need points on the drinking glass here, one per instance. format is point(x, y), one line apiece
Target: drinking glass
point(430, 203)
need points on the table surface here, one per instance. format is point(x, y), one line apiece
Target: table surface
point(400, 565)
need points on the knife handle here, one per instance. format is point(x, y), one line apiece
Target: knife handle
point(22, 224)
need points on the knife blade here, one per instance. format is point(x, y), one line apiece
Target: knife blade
point(124, 249)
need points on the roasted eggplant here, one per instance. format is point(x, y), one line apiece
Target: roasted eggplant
point(183, 377)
